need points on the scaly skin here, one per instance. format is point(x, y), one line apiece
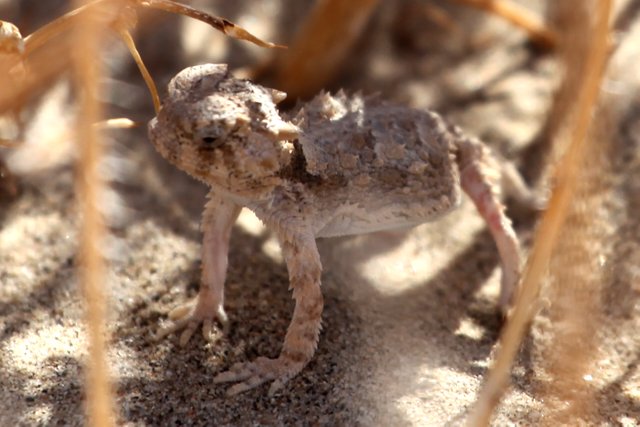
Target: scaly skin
point(336, 166)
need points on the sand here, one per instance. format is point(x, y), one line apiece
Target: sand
point(410, 316)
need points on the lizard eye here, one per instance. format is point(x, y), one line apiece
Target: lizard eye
point(212, 141)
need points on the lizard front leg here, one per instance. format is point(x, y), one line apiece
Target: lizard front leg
point(217, 221)
point(303, 263)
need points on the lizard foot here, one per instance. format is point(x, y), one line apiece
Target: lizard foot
point(190, 315)
point(261, 370)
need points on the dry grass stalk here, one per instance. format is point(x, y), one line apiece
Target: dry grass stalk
point(128, 40)
point(220, 24)
point(520, 17)
point(575, 289)
point(324, 40)
point(566, 178)
point(88, 33)
point(42, 68)
point(332, 28)
point(46, 51)
point(568, 19)
point(53, 29)
point(576, 276)
point(119, 123)
point(62, 24)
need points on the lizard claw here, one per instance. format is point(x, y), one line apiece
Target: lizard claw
point(252, 374)
point(189, 316)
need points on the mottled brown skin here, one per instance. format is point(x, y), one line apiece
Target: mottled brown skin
point(338, 165)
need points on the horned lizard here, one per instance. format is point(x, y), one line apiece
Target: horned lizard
point(337, 165)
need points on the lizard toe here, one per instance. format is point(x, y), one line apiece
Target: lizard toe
point(187, 317)
point(252, 374)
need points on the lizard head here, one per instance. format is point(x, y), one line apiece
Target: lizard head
point(222, 130)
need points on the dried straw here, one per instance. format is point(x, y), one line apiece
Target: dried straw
point(546, 236)
point(88, 33)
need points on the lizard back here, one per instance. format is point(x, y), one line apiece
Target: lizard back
point(391, 166)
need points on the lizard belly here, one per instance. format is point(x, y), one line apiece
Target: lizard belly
point(351, 220)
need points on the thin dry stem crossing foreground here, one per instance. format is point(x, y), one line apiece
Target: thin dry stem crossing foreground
point(567, 176)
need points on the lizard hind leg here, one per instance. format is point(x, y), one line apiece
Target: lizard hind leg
point(480, 177)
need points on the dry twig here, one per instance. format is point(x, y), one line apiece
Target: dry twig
point(520, 17)
point(324, 40)
point(220, 24)
point(88, 32)
point(45, 65)
point(546, 236)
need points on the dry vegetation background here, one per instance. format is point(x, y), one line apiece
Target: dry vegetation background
point(410, 324)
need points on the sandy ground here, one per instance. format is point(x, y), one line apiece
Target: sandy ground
point(410, 317)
